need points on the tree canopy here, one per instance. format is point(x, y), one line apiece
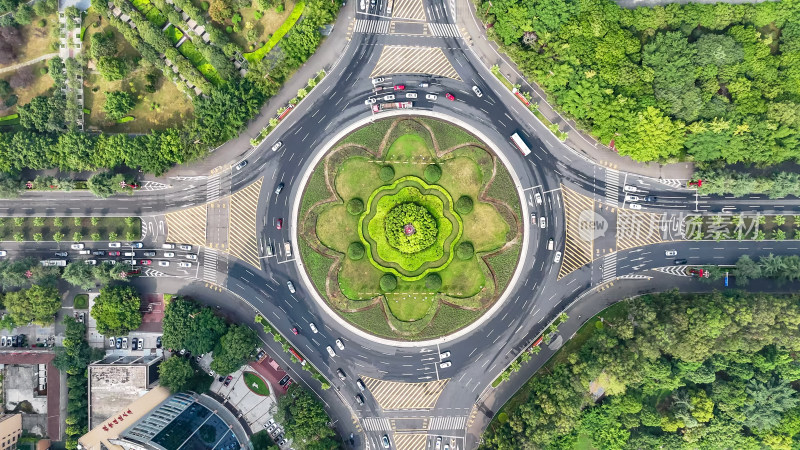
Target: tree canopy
point(175, 374)
point(116, 310)
point(234, 349)
point(303, 417)
point(37, 304)
point(189, 326)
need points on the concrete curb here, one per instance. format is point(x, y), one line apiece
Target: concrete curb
point(323, 150)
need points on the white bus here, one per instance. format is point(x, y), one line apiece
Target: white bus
point(520, 144)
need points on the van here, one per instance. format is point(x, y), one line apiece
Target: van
point(550, 244)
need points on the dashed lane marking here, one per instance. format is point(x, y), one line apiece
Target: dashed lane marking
point(187, 226)
point(242, 241)
point(398, 59)
point(578, 246)
point(396, 395)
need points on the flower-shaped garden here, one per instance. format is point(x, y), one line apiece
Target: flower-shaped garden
point(410, 228)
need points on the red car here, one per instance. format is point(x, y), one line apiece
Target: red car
point(399, 87)
point(294, 330)
point(450, 96)
point(146, 262)
point(279, 224)
point(113, 253)
point(228, 380)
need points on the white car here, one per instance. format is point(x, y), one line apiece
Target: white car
point(438, 443)
point(124, 342)
point(631, 198)
point(444, 355)
point(629, 188)
point(184, 264)
point(431, 97)
point(163, 263)
point(137, 245)
point(477, 91)
point(411, 95)
point(557, 258)
point(389, 97)
point(340, 344)
point(330, 351)
point(276, 146)
point(542, 222)
point(186, 247)
point(313, 327)
point(370, 101)
point(131, 262)
point(191, 256)
point(76, 246)
point(445, 365)
point(114, 244)
point(377, 80)
point(635, 206)
point(538, 197)
point(3, 253)
point(169, 254)
point(290, 285)
point(671, 253)
point(168, 246)
point(91, 262)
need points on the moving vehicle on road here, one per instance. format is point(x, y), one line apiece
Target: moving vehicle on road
point(370, 101)
point(557, 258)
point(388, 98)
point(136, 245)
point(186, 247)
point(399, 87)
point(651, 198)
point(76, 246)
point(277, 145)
point(241, 165)
point(278, 189)
point(538, 197)
point(477, 91)
point(113, 253)
point(287, 248)
point(450, 96)
point(520, 144)
point(114, 244)
point(168, 246)
point(543, 222)
point(630, 188)
point(169, 254)
point(91, 262)
point(62, 254)
point(279, 224)
point(294, 331)
point(378, 80)
point(361, 386)
point(359, 399)
point(163, 263)
point(290, 285)
point(431, 97)
point(424, 84)
point(671, 253)
point(385, 441)
point(313, 328)
point(631, 198)
point(146, 262)
point(184, 265)
point(550, 244)
point(341, 374)
point(679, 262)
point(330, 351)
point(438, 443)
point(444, 355)
point(634, 206)
point(149, 254)
point(340, 344)
point(191, 256)
point(411, 95)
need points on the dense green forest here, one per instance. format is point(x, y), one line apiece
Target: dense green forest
point(713, 83)
point(678, 371)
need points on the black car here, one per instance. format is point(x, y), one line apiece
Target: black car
point(650, 198)
point(62, 254)
point(359, 399)
point(119, 343)
point(679, 262)
point(14, 341)
point(284, 380)
point(158, 342)
point(341, 374)
point(99, 253)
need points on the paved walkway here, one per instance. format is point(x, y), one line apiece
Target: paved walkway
point(28, 62)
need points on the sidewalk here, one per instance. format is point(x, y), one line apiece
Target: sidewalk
point(580, 141)
point(332, 47)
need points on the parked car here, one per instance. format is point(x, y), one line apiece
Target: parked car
point(290, 285)
point(228, 380)
point(370, 101)
point(114, 244)
point(78, 246)
point(137, 245)
point(111, 342)
point(3, 341)
point(134, 343)
point(3, 253)
point(287, 248)
point(119, 342)
point(538, 197)
point(270, 249)
point(124, 342)
point(284, 380)
point(378, 80)
point(91, 262)
point(158, 342)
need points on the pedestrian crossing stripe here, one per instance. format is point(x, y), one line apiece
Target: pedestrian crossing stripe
point(377, 424)
point(408, 441)
point(609, 266)
point(212, 187)
point(400, 59)
point(444, 29)
point(447, 423)
point(397, 395)
point(210, 265)
point(372, 26)
point(612, 187)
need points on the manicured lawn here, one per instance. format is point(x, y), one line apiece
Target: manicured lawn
point(81, 301)
point(41, 85)
point(287, 25)
point(414, 310)
point(10, 226)
point(256, 384)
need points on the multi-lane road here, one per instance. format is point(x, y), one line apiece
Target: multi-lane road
point(233, 214)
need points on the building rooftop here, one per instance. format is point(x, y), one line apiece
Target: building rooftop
point(118, 380)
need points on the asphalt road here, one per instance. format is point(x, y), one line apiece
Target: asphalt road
point(337, 103)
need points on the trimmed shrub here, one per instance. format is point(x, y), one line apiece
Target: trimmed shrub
point(388, 282)
point(387, 173)
point(355, 251)
point(408, 215)
point(465, 251)
point(432, 173)
point(464, 205)
point(433, 282)
point(355, 206)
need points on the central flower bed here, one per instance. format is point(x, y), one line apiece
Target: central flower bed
point(410, 228)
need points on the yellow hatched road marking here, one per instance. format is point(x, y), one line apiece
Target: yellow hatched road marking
point(577, 251)
point(242, 241)
point(187, 226)
point(403, 441)
point(637, 228)
point(394, 395)
point(409, 9)
point(396, 59)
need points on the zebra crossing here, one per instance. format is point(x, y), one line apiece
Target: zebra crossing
point(678, 271)
point(212, 187)
point(372, 26)
point(609, 266)
point(612, 187)
point(447, 423)
point(444, 29)
point(377, 424)
point(210, 265)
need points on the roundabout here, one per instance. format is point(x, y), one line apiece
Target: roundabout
point(409, 228)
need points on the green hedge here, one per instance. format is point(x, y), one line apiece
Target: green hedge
point(287, 25)
point(9, 117)
point(126, 119)
point(173, 34)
